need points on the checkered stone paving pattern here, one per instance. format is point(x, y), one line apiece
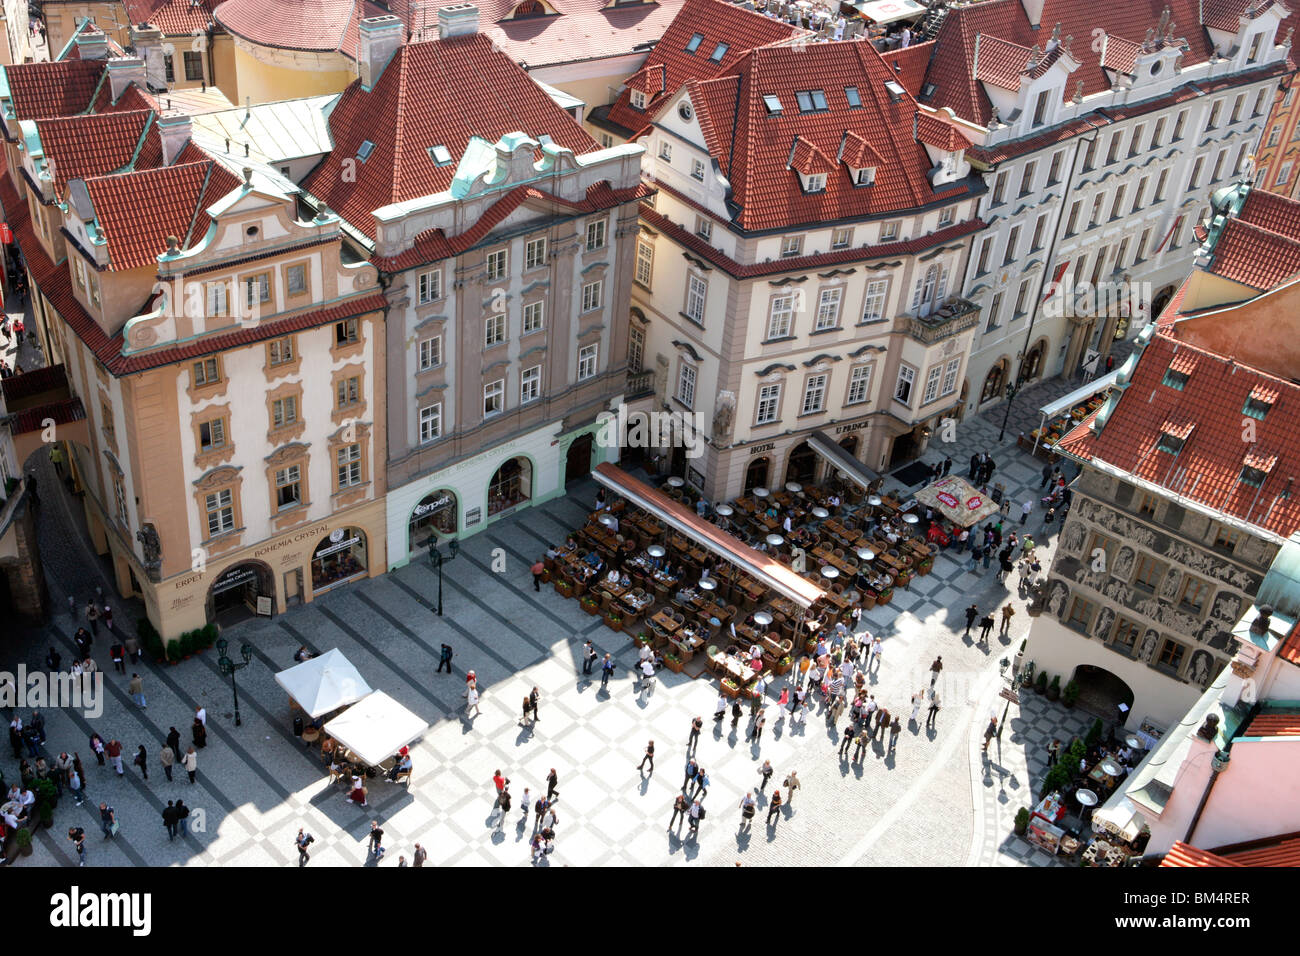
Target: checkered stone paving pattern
point(931, 801)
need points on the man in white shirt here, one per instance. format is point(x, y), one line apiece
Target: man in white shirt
point(201, 715)
point(786, 525)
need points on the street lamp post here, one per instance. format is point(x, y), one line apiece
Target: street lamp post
point(1012, 389)
point(435, 556)
point(229, 667)
point(1008, 692)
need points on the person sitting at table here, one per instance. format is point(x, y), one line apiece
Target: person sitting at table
point(402, 768)
point(771, 510)
point(755, 652)
point(613, 576)
point(683, 596)
point(591, 558)
point(552, 552)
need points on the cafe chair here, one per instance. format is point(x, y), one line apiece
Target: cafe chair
point(679, 617)
point(606, 599)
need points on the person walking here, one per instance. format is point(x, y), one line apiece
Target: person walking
point(747, 810)
point(649, 757)
point(917, 700)
point(78, 837)
point(499, 781)
point(692, 768)
point(107, 820)
point(873, 656)
point(765, 772)
point(92, 617)
point(680, 806)
point(191, 763)
point(1025, 508)
point(106, 615)
point(1053, 752)
point(503, 806)
point(376, 840)
point(589, 656)
point(118, 653)
point(142, 761)
point(115, 755)
point(169, 822)
point(552, 786)
point(972, 613)
point(846, 742)
point(759, 720)
point(693, 741)
point(1007, 613)
point(421, 854)
point(168, 758)
point(606, 670)
point(720, 709)
point(990, 732)
point(136, 690)
point(301, 841)
point(471, 703)
point(935, 668)
point(538, 569)
point(933, 712)
point(444, 659)
point(701, 784)
point(774, 808)
point(694, 815)
point(535, 696)
point(183, 817)
point(986, 628)
point(528, 707)
point(861, 744)
point(736, 713)
point(791, 785)
point(75, 785)
point(894, 730)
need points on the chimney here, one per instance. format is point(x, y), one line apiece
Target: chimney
point(457, 19)
point(92, 44)
point(380, 39)
point(175, 133)
point(148, 42)
point(1034, 11)
point(124, 71)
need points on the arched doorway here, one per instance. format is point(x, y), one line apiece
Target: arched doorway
point(756, 474)
point(1101, 692)
point(577, 463)
point(850, 445)
point(233, 595)
point(339, 557)
point(994, 382)
point(1032, 364)
point(435, 515)
point(510, 486)
point(1161, 300)
point(904, 448)
point(801, 466)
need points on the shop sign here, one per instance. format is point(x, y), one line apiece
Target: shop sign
point(264, 605)
point(854, 427)
point(759, 449)
point(231, 580)
point(335, 548)
point(438, 504)
point(1008, 694)
point(473, 516)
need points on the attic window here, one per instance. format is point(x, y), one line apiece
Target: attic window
point(927, 91)
point(364, 151)
point(638, 100)
point(814, 183)
point(1170, 443)
point(865, 176)
point(1176, 380)
point(811, 101)
point(773, 104)
point(895, 91)
point(1252, 476)
point(695, 41)
point(440, 155)
point(1256, 408)
point(719, 52)
point(851, 94)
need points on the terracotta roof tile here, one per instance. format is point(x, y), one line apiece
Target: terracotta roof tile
point(1278, 851)
point(172, 17)
point(1273, 725)
point(857, 153)
point(752, 146)
point(1208, 468)
point(47, 378)
point(933, 131)
point(80, 146)
point(63, 88)
point(62, 412)
point(1270, 211)
point(1253, 256)
point(1265, 393)
point(1177, 428)
point(1273, 853)
point(670, 64)
point(1119, 54)
point(1000, 62)
point(1185, 855)
point(807, 158)
point(420, 102)
point(1228, 14)
point(1184, 361)
point(909, 64)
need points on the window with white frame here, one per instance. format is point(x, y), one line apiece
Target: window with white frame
point(258, 288)
point(666, 150)
point(220, 508)
point(635, 348)
point(218, 297)
point(533, 316)
point(950, 376)
point(596, 234)
point(638, 100)
point(535, 253)
point(494, 396)
point(497, 264)
point(945, 216)
point(780, 318)
point(859, 385)
point(348, 460)
point(1283, 174)
point(791, 246)
point(284, 411)
point(815, 182)
point(769, 404)
point(696, 288)
point(841, 238)
point(889, 232)
point(587, 361)
point(591, 295)
point(828, 309)
point(704, 228)
point(288, 487)
point(430, 423)
point(530, 385)
point(430, 352)
point(903, 387)
point(873, 309)
point(697, 170)
point(932, 384)
point(429, 286)
point(686, 376)
point(494, 329)
point(814, 394)
point(645, 262)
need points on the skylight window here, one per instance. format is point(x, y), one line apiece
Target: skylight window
point(773, 104)
point(811, 101)
point(695, 41)
point(441, 155)
point(1255, 408)
point(719, 52)
point(927, 91)
point(851, 94)
point(1252, 476)
point(1170, 443)
point(364, 151)
point(1175, 379)
point(896, 91)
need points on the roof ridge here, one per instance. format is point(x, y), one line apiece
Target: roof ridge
point(198, 203)
point(144, 133)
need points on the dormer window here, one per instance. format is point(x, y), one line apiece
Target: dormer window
point(364, 150)
point(719, 52)
point(814, 182)
point(1256, 42)
point(864, 177)
point(694, 43)
point(1040, 107)
point(1252, 476)
point(851, 94)
point(1170, 443)
point(811, 101)
point(1175, 379)
point(638, 100)
point(773, 105)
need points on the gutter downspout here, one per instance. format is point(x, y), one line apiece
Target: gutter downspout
point(1218, 763)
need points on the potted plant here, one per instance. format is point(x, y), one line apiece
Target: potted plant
point(1070, 693)
point(1054, 688)
point(563, 588)
point(673, 663)
point(925, 566)
point(729, 687)
point(810, 645)
point(23, 841)
point(886, 596)
point(614, 620)
point(1022, 821)
point(589, 605)
point(783, 665)
point(46, 793)
point(642, 639)
point(1093, 737)
point(1040, 682)
point(46, 814)
point(1058, 776)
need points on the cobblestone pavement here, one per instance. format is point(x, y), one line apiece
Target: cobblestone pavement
point(926, 803)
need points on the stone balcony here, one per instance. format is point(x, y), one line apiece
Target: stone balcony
point(954, 317)
point(640, 384)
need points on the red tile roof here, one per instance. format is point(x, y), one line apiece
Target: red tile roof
point(952, 68)
point(753, 147)
point(1000, 62)
point(48, 378)
point(136, 212)
point(1253, 256)
point(319, 26)
point(1272, 212)
point(422, 101)
point(1119, 54)
point(584, 30)
point(62, 412)
point(80, 146)
point(1228, 14)
point(992, 155)
point(1208, 468)
point(1271, 852)
point(62, 88)
point(1273, 725)
point(670, 65)
point(1185, 855)
point(933, 131)
point(909, 64)
point(1289, 649)
point(172, 17)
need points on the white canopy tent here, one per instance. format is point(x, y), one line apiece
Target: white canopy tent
point(887, 11)
point(324, 683)
point(375, 728)
point(1077, 397)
